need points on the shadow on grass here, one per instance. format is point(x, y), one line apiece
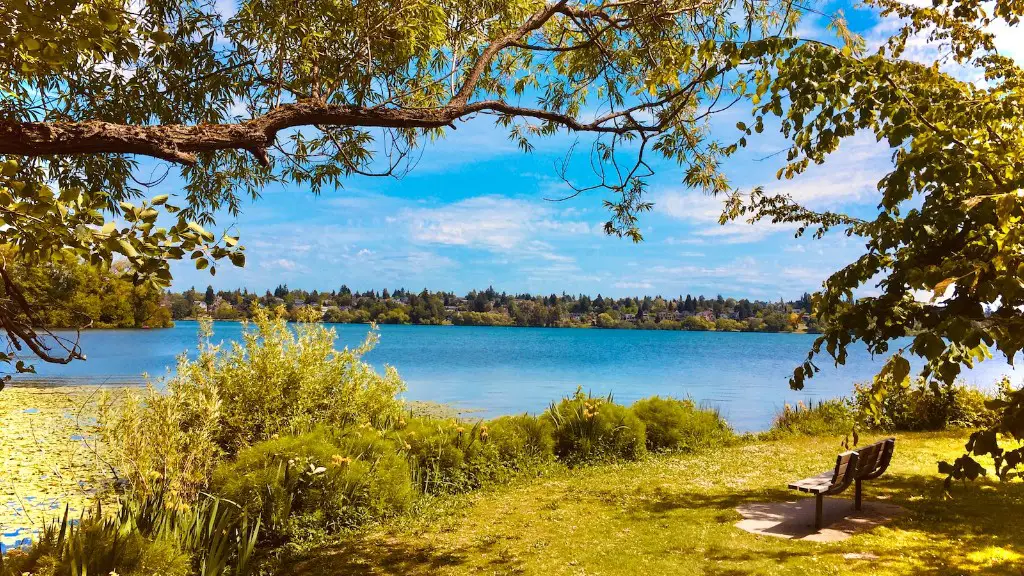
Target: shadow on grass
point(975, 531)
point(364, 555)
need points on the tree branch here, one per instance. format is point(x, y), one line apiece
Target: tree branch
point(179, 143)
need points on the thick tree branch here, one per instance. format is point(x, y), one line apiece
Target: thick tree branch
point(179, 143)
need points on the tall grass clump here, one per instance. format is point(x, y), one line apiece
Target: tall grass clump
point(278, 380)
point(825, 417)
point(451, 456)
point(144, 537)
point(680, 425)
point(588, 428)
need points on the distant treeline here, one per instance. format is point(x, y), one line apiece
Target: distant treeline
point(491, 308)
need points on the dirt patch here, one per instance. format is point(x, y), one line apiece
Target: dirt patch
point(795, 519)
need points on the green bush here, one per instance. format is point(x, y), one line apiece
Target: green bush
point(320, 480)
point(521, 441)
point(279, 380)
point(588, 429)
point(448, 456)
point(926, 407)
point(673, 424)
point(824, 418)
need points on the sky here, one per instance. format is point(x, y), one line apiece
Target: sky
point(473, 212)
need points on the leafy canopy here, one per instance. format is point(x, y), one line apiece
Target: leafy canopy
point(945, 250)
point(315, 91)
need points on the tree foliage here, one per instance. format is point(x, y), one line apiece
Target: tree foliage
point(945, 250)
point(314, 92)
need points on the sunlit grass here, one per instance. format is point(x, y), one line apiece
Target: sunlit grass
point(674, 514)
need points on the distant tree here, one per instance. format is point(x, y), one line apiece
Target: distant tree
point(210, 296)
point(481, 303)
point(281, 291)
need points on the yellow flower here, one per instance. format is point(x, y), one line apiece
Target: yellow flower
point(460, 429)
point(407, 446)
point(339, 460)
point(275, 436)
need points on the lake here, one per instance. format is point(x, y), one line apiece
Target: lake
point(501, 370)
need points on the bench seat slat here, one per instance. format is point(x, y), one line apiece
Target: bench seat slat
point(814, 484)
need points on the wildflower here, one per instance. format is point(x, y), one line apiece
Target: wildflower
point(460, 430)
point(275, 436)
point(113, 573)
point(408, 446)
point(339, 460)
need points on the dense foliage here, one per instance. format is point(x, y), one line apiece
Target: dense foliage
point(143, 537)
point(104, 99)
point(491, 308)
point(67, 293)
point(278, 380)
point(316, 481)
point(589, 428)
point(918, 407)
point(945, 250)
point(672, 424)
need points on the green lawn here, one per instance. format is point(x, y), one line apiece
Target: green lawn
point(675, 515)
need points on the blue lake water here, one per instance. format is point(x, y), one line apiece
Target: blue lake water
point(512, 370)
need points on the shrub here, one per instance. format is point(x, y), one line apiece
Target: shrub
point(444, 455)
point(448, 456)
point(521, 441)
point(276, 381)
point(320, 480)
point(281, 381)
point(588, 428)
point(729, 325)
point(673, 424)
point(827, 417)
point(926, 407)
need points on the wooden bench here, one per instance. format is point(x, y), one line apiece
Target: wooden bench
point(853, 467)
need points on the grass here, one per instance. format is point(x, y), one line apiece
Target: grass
point(674, 514)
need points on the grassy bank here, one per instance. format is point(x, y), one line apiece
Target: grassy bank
point(674, 514)
point(667, 513)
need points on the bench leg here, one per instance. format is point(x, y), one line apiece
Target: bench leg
point(818, 503)
point(856, 498)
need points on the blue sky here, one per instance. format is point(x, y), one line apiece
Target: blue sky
point(473, 213)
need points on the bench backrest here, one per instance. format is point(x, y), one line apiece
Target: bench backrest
point(843, 474)
point(874, 459)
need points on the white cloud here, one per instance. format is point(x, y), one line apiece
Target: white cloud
point(634, 285)
point(495, 223)
point(282, 264)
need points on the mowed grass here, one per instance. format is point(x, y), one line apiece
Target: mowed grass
point(674, 514)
